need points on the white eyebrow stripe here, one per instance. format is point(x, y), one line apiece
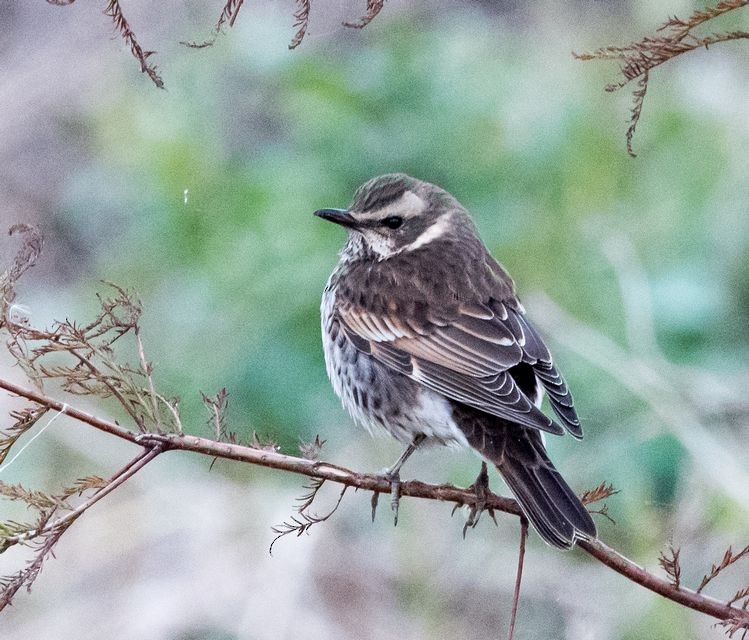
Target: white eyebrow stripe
point(434, 231)
point(407, 206)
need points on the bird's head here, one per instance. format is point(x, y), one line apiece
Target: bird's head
point(394, 213)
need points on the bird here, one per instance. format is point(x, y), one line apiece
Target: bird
point(424, 337)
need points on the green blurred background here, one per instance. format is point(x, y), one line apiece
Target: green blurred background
point(200, 198)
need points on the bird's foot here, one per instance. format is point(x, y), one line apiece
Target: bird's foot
point(481, 489)
point(394, 478)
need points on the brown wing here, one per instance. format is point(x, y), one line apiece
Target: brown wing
point(467, 356)
point(536, 354)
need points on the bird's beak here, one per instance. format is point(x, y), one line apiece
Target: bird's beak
point(339, 216)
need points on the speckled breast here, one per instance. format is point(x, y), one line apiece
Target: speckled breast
point(376, 397)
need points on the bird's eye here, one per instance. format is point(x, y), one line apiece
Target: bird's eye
point(392, 222)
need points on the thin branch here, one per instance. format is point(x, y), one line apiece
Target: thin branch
point(518, 576)
point(77, 414)
point(124, 474)
point(413, 488)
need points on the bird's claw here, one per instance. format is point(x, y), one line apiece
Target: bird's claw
point(395, 494)
point(481, 489)
point(395, 491)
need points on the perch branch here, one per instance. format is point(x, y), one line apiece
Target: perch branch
point(413, 488)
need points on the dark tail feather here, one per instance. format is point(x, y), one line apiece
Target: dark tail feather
point(519, 455)
point(546, 499)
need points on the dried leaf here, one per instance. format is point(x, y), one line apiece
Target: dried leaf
point(25, 420)
point(729, 558)
point(36, 499)
point(228, 16)
point(601, 492)
point(311, 450)
point(217, 406)
point(639, 58)
point(669, 560)
point(373, 8)
point(114, 11)
point(305, 521)
point(301, 22)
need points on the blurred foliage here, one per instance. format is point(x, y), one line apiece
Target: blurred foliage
point(200, 198)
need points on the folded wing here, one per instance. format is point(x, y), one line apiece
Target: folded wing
point(467, 355)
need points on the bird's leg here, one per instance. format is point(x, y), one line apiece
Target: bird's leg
point(481, 489)
point(392, 475)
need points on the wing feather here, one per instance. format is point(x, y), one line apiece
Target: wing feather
point(467, 354)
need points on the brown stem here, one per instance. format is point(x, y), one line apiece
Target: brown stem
point(124, 474)
point(78, 414)
point(518, 576)
point(413, 488)
point(682, 595)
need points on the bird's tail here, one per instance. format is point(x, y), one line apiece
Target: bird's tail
point(546, 499)
point(520, 456)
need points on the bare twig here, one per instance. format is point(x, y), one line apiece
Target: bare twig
point(518, 576)
point(739, 595)
point(305, 519)
point(227, 18)
point(217, 406)
point(228, 15)
point(147, 370)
